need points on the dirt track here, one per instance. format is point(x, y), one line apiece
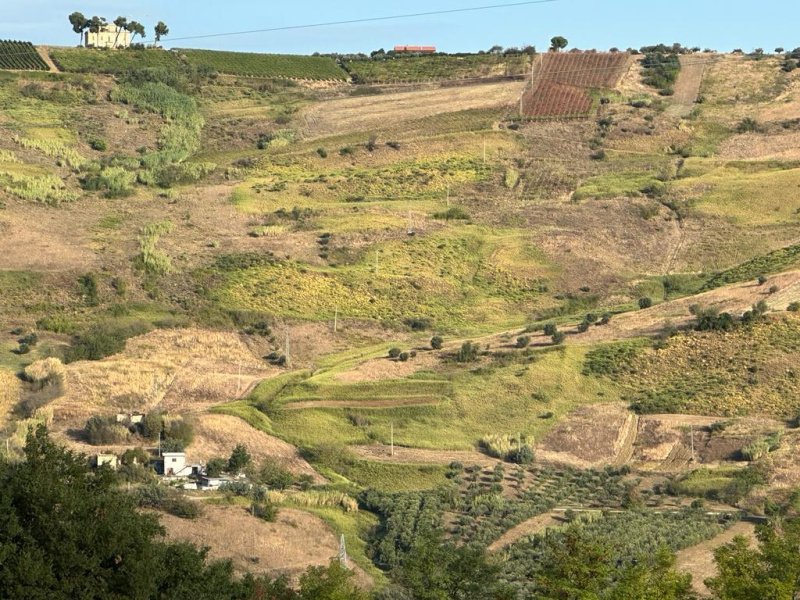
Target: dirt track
point(687, 87)
point(699, 560)
point(530, 527)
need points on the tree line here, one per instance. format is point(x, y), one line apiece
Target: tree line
point(80, 24)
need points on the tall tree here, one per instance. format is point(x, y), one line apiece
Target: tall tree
point(135, 28)
point(770, 571)
point(121, 23)
point(161, 30)
point(558, 43)
point(79, 23)
point(97, 23)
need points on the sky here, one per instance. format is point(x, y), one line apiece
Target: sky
point(717, 24)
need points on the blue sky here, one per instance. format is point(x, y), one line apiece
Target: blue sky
point(718, 24)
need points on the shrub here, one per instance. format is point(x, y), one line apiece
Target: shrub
point(550, 329)
point(404, 356)
point(454, 213)
point(104, 430)
point(523, 341)
point(773, 289)
point(583, 326)
point(239, 459)
point(747, 125)
point(159, 497)
point(103, 340)
point(394, 352)
point(467, 353)
point(762, 279)
point(266, 511)
point(98, 144)
point(322, 152)
point(645, 302)
point(793, 307)
point(216, 467)
point(437, 341)
point(558, 337)
point(273, 474)
point(178, 434)
point(44, 372)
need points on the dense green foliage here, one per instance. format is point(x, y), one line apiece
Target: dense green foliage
point(67, 533)
point(265, 65)
point(91, 60)
point(661, 70)
point(590, 559)
point(20, 56)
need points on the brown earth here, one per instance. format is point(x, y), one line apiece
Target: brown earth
point(217, 435)
point(699, 560)
point(348, 115)
point(591, 435)
point(295, 541)
point(687, 87)
point(379, 369)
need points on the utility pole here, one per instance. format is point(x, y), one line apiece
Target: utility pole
point(691, 435)
point(391, 438)
point(448, 194)
point(287, 350)
point(342, 556)
point(335, 318)
point(239, 381)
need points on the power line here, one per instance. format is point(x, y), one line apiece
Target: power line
point(367, 19)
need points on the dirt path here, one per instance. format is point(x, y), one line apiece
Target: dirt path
point(389, 403)
point(423, 456)
point(530, 527)
point(687, 87)
point(44, 52)
point(626, 441)
point(699, 560)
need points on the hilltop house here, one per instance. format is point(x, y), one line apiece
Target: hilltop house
point(108, 37)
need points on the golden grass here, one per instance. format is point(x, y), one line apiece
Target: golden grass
point(10, 389)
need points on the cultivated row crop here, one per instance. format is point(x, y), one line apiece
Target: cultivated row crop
point(20, 56)
point(266, 65)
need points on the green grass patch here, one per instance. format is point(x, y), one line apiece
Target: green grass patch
point(247, 413)
point(355, 526)
point(727, 484)
point(773, 262)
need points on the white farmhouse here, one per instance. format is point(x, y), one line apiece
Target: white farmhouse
point(108, 37)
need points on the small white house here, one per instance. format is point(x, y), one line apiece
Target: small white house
point(108, 37)
point(175, 464)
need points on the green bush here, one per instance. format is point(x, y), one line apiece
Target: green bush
point(103, 340)
point(437, 341)
point(645, 302)
point(105, 430)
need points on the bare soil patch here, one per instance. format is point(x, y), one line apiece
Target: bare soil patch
point(389, 403)
point(734, 299)
point(423, 456)
point(296, 541)
point(347, 115)
point(699, 560)
point(591, 434)
point(687, 87)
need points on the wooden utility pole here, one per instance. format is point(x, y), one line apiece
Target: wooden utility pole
point(287, 350)
point(391, 438)
point(342, 555)
point(691, 436)
point(335, 318)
